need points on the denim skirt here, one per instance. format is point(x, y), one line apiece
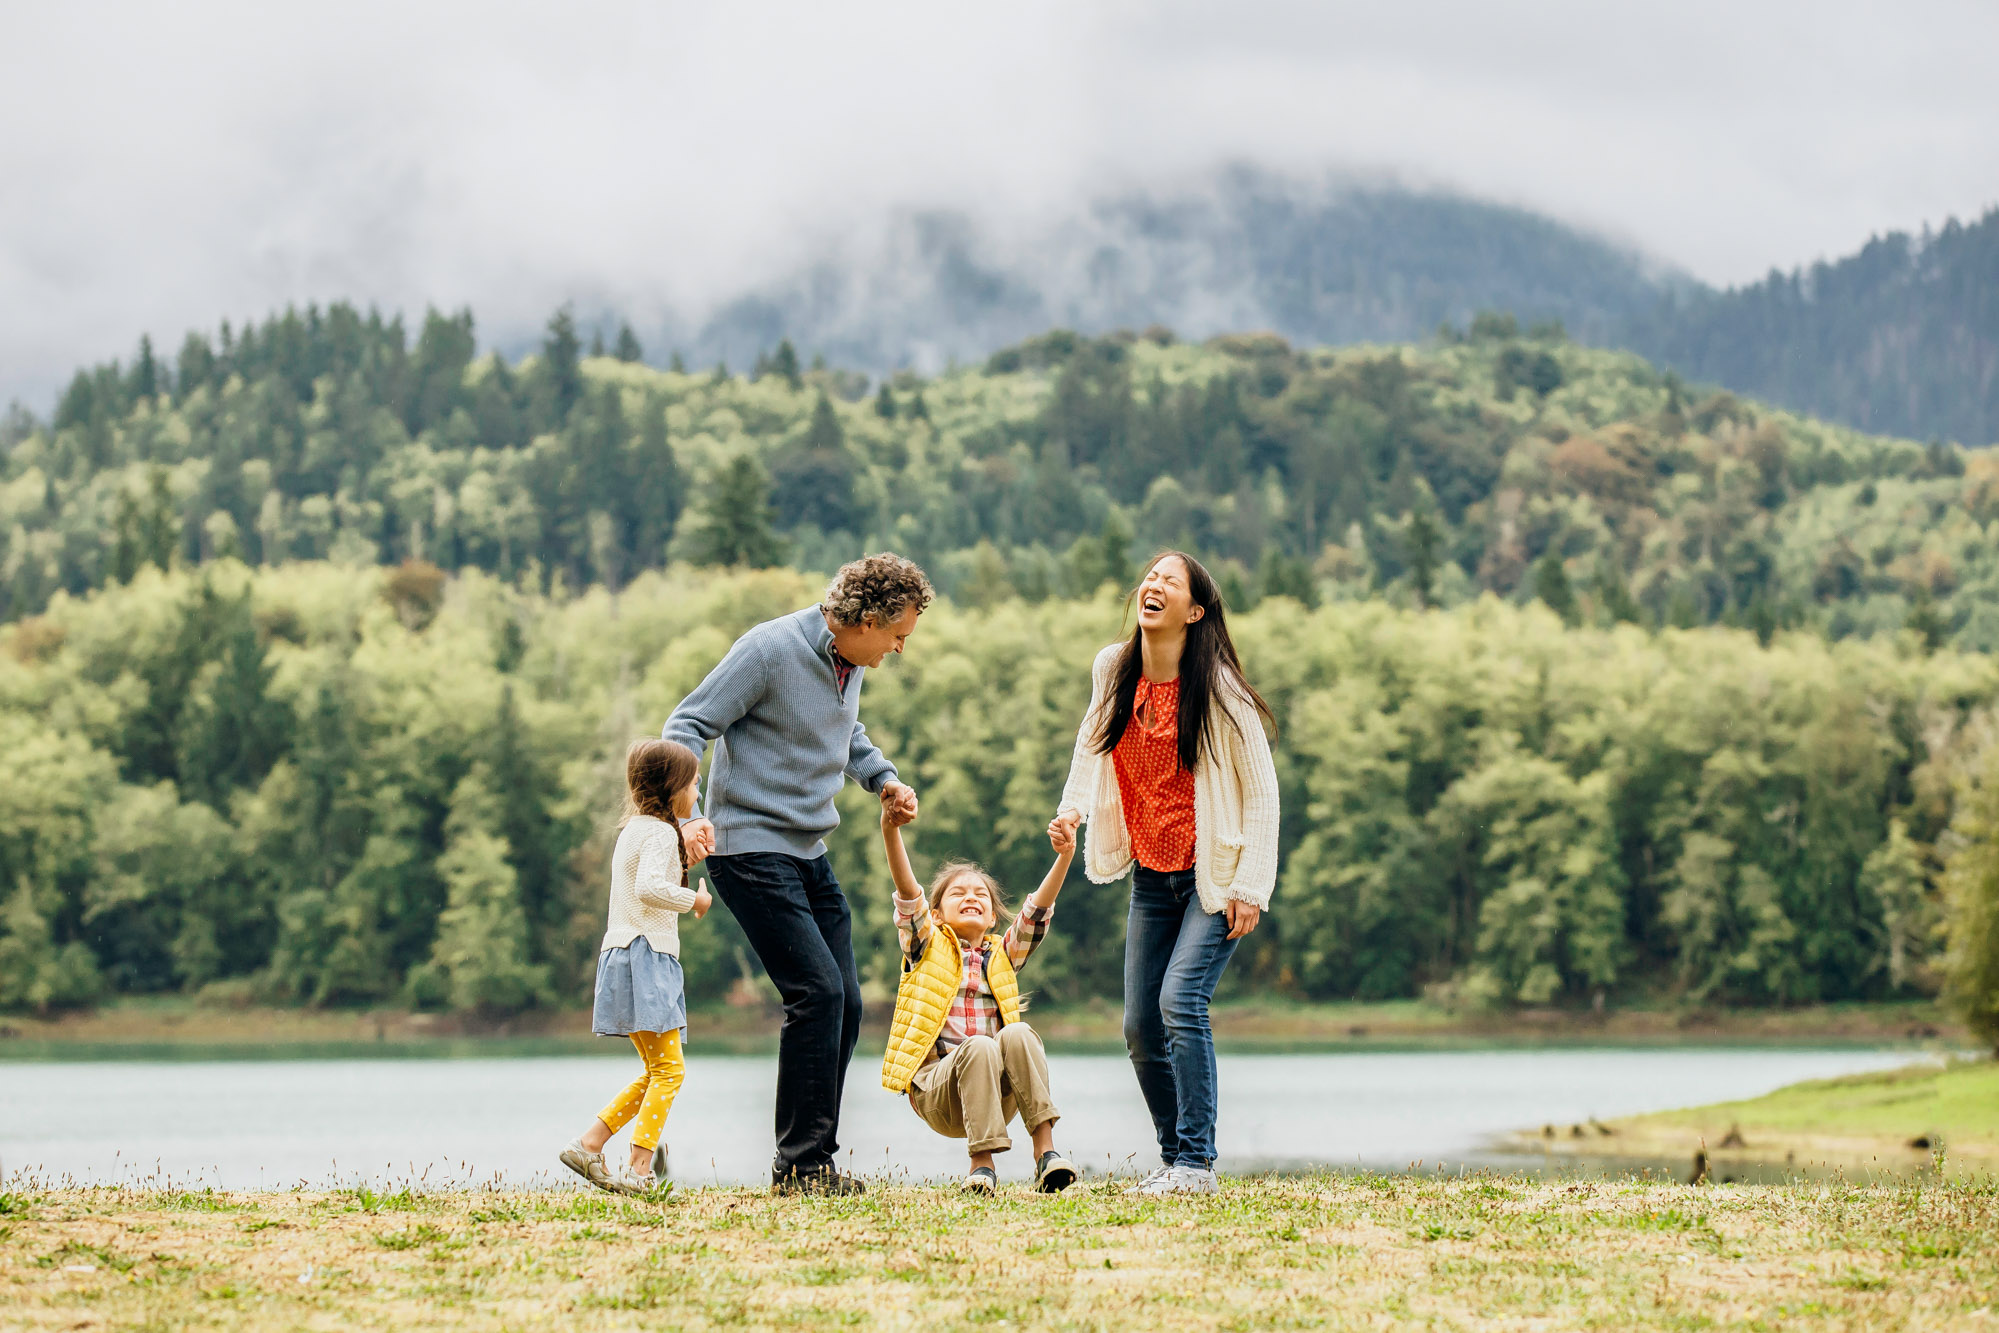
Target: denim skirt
point(638, 990)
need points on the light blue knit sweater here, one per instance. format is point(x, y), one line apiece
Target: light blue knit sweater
point(785, 738)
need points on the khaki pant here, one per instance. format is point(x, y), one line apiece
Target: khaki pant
point(974, 1091)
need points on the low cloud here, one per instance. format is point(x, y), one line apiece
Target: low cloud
point(169, 166)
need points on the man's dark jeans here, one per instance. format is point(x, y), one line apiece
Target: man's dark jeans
point(797, 920)
point(1174, 954)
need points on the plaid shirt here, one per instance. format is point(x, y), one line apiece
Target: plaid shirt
point(843, 670)
point(973, 1012)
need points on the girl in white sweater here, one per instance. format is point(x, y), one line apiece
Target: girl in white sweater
point(1173, 772)
point(640, 991)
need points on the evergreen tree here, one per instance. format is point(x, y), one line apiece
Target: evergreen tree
point(785, 364)
point(232, 731)
point(444, 350)
point(884, 402)
point(1551, 584)
point(654, 491)
point(481, 950)
point(596, 342)
point(736, 519)
point(1115, 544)
point(145, 372)
point(814, 482)
point(1928, 624)
point(561, 367)
point(676, 363)
point(628, 349)
point(1544, 375)
point(1615, 595)
point(1422, 540)
point(1283, 575)
point(196, 365)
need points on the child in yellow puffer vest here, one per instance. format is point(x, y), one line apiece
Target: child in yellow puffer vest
point(957, 1044)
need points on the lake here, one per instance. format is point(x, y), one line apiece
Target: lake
point(261, 1124)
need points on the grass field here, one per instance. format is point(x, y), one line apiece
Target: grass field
point(1899, 1118)
point(1325, 1252)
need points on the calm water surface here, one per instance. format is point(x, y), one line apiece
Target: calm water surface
point(276, 1123)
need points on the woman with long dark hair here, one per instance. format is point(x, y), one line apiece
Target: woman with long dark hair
point(1172, 772)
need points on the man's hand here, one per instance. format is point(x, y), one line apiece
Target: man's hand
point(699, 835)
point(1242, 917)
point(703, 900)
point(1062, 829)
point(900, 801)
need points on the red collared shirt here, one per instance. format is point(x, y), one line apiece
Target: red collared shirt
point(1156, 793)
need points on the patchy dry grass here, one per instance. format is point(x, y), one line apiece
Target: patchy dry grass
point(1331, 1252)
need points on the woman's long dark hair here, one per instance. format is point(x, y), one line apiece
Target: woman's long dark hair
point(1208, 665)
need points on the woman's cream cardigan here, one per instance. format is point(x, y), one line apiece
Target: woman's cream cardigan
point(1235, 800)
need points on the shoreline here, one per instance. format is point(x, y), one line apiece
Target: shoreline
point(1936, 1117)
point(180, 1028)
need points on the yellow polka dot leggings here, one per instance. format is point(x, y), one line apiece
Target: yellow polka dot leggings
point(650, 1096)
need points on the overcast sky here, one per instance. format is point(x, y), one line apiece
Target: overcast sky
point(165, 166)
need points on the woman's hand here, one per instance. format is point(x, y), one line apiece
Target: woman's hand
point(1062, 829)
point(703, 900)
point(1242, 917)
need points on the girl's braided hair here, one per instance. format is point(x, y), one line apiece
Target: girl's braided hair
point(655, 770)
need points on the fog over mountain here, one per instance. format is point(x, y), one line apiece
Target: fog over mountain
point(169, 166)
point(1335, 261)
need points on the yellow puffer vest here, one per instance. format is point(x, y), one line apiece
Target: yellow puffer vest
point(924, 998)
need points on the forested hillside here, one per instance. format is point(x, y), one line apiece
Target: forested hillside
point(1493, 460)
point(1901, 337)
point(1587, 680)
point(326, 784)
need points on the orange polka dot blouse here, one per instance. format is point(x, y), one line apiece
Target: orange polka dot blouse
point(1156, 793)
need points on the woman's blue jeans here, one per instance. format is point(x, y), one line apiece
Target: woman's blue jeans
point(1174, 954)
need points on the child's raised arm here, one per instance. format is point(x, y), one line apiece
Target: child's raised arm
point(1064, 841)
point(899, 869)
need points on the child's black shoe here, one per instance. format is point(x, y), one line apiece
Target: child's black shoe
point(1053, 1173)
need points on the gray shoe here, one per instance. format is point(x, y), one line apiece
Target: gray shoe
point(624, 1180)
point(587, 1164)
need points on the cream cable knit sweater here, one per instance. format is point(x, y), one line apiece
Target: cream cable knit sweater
point(1235, 802)
point(646, 894)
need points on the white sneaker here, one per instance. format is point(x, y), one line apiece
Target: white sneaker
point(1145, 1186)
point(1181, 1180)
point(1195, 1180)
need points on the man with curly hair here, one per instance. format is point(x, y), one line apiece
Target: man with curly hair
point(783, 709)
